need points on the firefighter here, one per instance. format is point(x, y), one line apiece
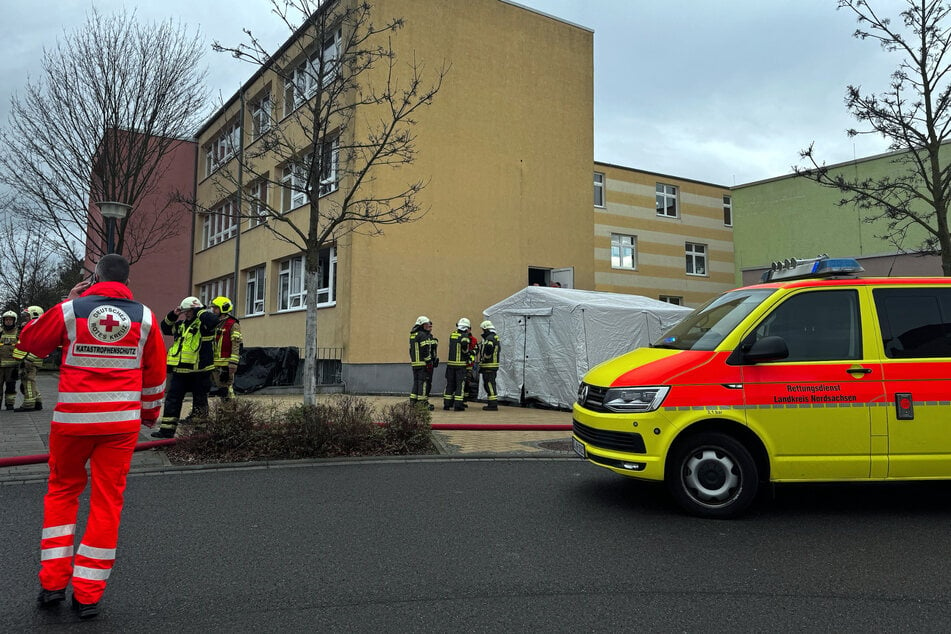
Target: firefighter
point(227, 347)
point(456, 366)
point(470, 390)
point(422, 360)
point(190, 361)
point(489, 364)
point(28, 364)
point(9, 334)
point(111, 381)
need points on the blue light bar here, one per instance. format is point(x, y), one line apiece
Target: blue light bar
point(822, 266)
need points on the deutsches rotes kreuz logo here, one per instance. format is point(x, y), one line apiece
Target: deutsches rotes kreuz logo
point(108, 324)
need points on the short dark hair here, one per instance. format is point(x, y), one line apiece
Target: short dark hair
point(112, 267)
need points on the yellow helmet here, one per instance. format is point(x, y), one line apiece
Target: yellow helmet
point(34, 311)
point(223, 304)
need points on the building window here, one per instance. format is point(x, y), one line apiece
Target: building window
point(222, 147)
point(261, 116)
point(294, 180)
point(598, 189)
point(215, 288)
point(291, 290)
point(623, 252)
point(672, 299)
point(301, 82)
point(728, 211)
point(696, 258)
point(257, 203)
point(666, 200)
point(219, 224)
point(254, 301)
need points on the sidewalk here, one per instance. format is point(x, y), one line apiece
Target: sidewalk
point(27, 433)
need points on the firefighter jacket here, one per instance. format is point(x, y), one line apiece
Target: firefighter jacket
point(422, 347)
point(193, 345)
point(8, 342)
point(21, 355)
point(489, 351)
point(458, 349)
point(227, 342)
point(112, 374)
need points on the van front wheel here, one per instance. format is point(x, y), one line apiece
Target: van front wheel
point(712, 475)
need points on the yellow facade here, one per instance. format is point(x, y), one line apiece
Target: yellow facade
point(630, 214)
point(505, 150)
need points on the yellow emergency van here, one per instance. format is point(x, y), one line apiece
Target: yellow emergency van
point(814, 375)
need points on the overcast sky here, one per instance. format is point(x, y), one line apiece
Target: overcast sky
point(723, 91)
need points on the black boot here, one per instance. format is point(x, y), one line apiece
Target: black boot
point(164, 432)
point(85, 610)
point(39, 406)
point(491, 407)
point(49, 598)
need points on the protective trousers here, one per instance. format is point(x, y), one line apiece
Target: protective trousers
point(110, 456)
point(179, 383)
point(488, 382)
point(28, 384)
point(9, 375)
point(455, 377)
point(223, 383)
point(422, 381)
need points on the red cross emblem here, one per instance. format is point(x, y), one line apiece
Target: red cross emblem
point(109, 323)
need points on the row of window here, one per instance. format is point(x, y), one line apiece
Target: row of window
point(624, 254)
point(666, 200)
point(222, 222)
point(291, 293)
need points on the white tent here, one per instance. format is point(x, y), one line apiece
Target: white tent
point(551, 336)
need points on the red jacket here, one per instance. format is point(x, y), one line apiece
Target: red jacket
point(112, 374)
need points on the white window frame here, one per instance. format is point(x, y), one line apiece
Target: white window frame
point(215, 288)
point(301, 82)
point(727, 211)
point(257, 203)
point(291, 292)
point(294, 179)
point(623, 247)
point(676, 300)
point(328, 176)
point(696, 257)
point(599, 189)
point(261, 115)
point(220, 224)
point(666, 197)
point(292, 183)
point(255, 284)
point(223, 147)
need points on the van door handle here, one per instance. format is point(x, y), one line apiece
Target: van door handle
point(859, 370)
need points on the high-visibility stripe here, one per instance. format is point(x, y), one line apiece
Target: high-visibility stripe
point(149, 391)
point(98, 397)
point(96, 553)
point(92, 574)
point(58, 531)
point(152, 404)
point(95, 417)
point(56, 553)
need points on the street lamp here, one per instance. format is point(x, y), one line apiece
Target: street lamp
point(112, 211)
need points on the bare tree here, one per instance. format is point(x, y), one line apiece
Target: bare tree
point(28, 263)
point(339, 65)
point(114, 99)
point(914, 116)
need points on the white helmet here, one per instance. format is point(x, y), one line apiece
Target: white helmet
point(190, 303)
point(422, 320)
point(10, 313)
point(463, 324)
point(487, 325)
point(34, 311)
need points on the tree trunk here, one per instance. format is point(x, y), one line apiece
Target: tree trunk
point(311, 280)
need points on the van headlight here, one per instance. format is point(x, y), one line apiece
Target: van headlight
point(635, 399)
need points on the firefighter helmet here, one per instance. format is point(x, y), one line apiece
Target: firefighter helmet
point(487, 325)
point(10, 313)
point(34, 311)
point(223, 304)
point(190, 303)
point(463, 324)
point(422, 320)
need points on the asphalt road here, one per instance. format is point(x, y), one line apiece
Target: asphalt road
point(491, 546)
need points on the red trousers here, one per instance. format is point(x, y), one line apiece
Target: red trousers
point(109, 456)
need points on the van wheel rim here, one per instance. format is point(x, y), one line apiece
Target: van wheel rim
point(711, 475)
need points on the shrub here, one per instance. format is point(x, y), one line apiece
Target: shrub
point(241, 430)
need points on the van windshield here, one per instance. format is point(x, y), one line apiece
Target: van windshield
point(707, 326)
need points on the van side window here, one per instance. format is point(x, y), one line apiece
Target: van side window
point(915, 322)
point(817, 326)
